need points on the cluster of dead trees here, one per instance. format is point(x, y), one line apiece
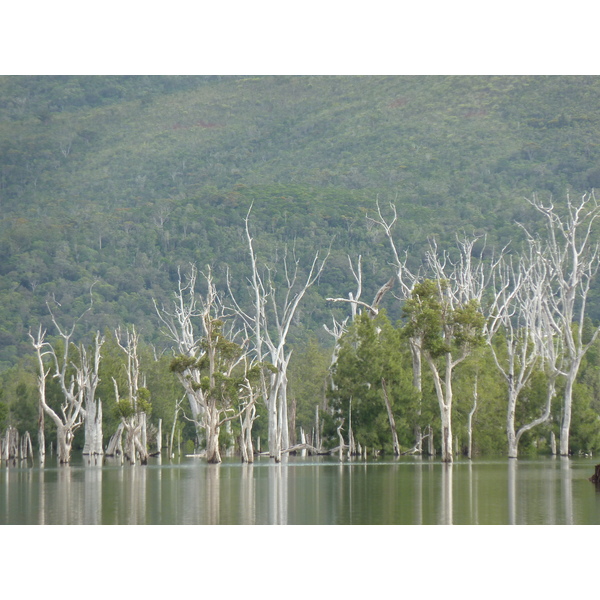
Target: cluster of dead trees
point(76, 369)
point(232, 353)
point(15, 447)
point(226, 358)
point(534, 302)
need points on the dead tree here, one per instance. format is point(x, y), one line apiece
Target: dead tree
point(470, 420)
point(207, 359)
point(134, 408)
point(392, 421)
point(88, 377)
point(518, 314)
point(273, 309)
point(71, 410)
point(573, 262)
point(178, 321)
point(9, 444)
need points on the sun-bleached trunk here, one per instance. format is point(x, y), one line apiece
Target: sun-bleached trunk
point(41, 436)
point(443, 388)
point(274, 308)
point(88, 374)
point(72, 388)
point(10, 444)
point(207, 360)
point(212, 429)
point(470, 421)
point(417, 372)
point(565, 426)
point(392, 421)
point(159, 438)
point(406, 280)
point(115, 444)
point(573, 260)
point(93, 429)
point(246, 446)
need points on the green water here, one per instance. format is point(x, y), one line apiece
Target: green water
point(320, 491)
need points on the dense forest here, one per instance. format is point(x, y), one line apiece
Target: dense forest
point(111, 187)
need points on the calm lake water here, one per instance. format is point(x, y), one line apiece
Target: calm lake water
point(319, 491)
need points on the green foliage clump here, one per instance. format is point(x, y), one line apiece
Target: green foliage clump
point(124, 408)
point(372, 354)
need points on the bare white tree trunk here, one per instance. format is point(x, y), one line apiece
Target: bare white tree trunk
point(26, 446)
point(388, 406)
point(470, 420)
point(573, 262)
point(88, 375)
point(133, 417)
point(274, 308)
point(115, 444)
point(204, 361)
point(444, 393)
point(73, 391)
point(247, 447)
point(159, 438)
point(41, 426)
point(10, 444)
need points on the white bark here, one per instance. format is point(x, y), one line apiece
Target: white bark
point(573, 262)
point(202, 364)
point(136, 448)
point(519, 312)
point(159, 438)
point(274, 308)
point(88, 375)
point(26, 450)
point(115, 444)
point(392, 421)
point(73, 387)
point(470, 420)
point(10, 444)
point(458, 284)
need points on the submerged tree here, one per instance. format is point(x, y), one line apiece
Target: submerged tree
point(133, 410)
point(339, 329)
point(273, 309)
point(212, 368)
point(520, 340)
point(77, 378)
point(573, 261)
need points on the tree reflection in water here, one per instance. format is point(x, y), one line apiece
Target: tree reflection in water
point(303, 491)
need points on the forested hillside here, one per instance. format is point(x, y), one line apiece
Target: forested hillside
point(119, 180)
point(109, 184)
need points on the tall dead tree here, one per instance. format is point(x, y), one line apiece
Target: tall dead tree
point(273, 309)
point(518, 313)
point(77, 378)
point(88, 375)
point(178, 321)
point(572, 261)
point(134, 408)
